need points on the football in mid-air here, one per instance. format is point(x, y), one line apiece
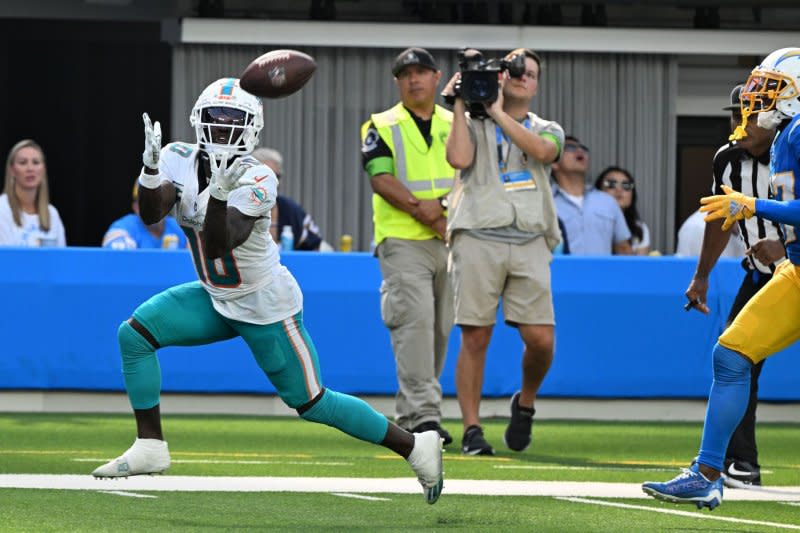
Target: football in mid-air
point(278, 73)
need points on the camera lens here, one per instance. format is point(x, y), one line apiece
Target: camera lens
point(480, 89)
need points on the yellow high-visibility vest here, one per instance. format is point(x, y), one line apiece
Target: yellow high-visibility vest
point(423, 170)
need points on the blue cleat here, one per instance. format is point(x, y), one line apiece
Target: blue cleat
point(689, 487)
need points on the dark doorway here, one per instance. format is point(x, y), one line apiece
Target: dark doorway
point(699, 138)
point(79, 89)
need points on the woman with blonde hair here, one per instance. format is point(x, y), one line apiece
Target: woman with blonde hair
point(26, 216)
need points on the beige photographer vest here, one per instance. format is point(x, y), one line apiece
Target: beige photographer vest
point(480, 199)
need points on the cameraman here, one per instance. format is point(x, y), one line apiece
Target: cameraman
point(502, 227)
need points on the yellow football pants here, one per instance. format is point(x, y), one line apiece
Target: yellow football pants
point(771, 319)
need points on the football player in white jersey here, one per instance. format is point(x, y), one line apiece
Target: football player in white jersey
point(222, 197)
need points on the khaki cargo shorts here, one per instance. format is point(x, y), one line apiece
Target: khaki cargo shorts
point(483, 271)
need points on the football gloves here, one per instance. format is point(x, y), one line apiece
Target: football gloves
point(731, 206)
point(224, 178)
point(152, 143)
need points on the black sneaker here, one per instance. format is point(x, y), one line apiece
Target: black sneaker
point(435, 426)
point(739, 474)
point(518, 433)
point(473, 442)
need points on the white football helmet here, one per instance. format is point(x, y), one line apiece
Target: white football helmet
point(226, 118)
point(773, 89)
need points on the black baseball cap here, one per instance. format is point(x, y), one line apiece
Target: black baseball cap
point(413, 56)
point(736, 98)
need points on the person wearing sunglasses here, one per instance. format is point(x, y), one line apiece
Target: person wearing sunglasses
point(619, 183)
point(594, 222)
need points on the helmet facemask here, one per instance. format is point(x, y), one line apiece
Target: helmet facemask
point(226, 119)
point(771, 93)
point(224, 129)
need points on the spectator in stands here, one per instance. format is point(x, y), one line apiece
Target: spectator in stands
point(735, 165)
point(503, 228)
point(620, 184)
point(26, 216)
point(595, 223)
point(131, 233)
point(287, 212)
point(403, 154)
point(690, 238)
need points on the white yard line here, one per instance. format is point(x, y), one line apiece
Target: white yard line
point(226, 462)
point(689, 514)
point(361, 497)
point(362, 485)
point(129, 494)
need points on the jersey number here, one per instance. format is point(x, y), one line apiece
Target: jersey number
point(207, 268)
point(181, 149)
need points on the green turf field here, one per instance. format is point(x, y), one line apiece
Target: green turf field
point(284, 447)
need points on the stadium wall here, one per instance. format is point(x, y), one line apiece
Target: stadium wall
point(621, 328)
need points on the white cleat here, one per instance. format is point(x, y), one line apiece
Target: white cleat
point(426, 461)
point(146, 456)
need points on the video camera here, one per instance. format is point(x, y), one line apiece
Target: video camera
point(479, 85)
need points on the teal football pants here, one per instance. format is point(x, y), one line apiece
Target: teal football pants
point(184, 316)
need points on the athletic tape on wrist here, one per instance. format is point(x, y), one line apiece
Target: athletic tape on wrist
point(149, 181)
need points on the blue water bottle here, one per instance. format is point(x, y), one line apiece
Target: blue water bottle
point(287, 239)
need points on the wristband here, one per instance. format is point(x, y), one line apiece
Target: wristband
point(149, 181)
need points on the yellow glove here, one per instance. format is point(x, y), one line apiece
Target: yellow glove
point(731, 206)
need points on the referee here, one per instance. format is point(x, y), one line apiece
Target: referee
point(744, 166)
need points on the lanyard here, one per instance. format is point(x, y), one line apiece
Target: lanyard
point(502, 160)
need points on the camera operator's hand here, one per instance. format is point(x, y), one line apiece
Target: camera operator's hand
point(450, 88)
point(427, 211)
point(496, 108)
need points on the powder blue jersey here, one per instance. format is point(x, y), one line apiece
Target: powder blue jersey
point(129, 232)
point(785, 178)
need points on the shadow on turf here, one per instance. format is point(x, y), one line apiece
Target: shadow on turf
point(561, 460)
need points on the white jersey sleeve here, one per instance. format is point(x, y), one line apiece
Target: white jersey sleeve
point(256, 192)
point(175, 159)
point(178, 165)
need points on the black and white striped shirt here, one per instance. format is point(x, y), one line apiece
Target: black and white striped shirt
point(736, 168)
